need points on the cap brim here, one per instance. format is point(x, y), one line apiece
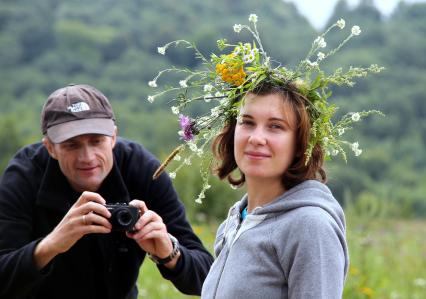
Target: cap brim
point(65, 131)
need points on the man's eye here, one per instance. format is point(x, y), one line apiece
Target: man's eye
point(70, 146)
point(97, 141)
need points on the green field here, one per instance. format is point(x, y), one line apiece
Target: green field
point(388, 261)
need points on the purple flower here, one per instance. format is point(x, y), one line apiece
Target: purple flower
point(187, 127)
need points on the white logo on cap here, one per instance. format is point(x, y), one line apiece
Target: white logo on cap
point(78, 107)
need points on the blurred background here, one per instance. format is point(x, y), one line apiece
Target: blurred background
point(112, 45)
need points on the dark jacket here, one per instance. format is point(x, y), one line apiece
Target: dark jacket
point(35, 196)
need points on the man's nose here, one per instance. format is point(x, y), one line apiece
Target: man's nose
point(87, 154)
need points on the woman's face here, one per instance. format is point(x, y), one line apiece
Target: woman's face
point(265, 137)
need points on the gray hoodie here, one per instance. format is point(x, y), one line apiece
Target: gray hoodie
point(293, 247)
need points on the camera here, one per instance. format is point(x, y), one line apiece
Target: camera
point(123, 216)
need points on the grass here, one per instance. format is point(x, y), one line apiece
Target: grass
point(388, 261)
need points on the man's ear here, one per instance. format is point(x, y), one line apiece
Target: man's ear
point(49, 146)
point(114, 137)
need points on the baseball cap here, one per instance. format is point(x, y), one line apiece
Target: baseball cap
point(75, 110)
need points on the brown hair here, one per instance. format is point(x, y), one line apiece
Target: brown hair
point(299, 170)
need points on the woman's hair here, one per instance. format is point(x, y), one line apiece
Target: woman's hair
point(299, 170)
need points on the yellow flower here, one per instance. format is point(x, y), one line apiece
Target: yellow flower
point(231, 69)
point(367, 291)
point(353, 270)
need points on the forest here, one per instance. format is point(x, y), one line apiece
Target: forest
point(112, 45)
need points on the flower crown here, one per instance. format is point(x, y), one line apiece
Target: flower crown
point(226, 78)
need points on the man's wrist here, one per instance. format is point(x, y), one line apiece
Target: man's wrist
point(174, 254)
point(43, 253)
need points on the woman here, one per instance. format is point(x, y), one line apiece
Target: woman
point(275, 125)
point(286, 237)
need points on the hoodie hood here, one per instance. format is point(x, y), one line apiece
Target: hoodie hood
point(298, 239)
point(308, 193)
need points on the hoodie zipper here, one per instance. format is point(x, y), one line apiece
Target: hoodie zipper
point(226, 259)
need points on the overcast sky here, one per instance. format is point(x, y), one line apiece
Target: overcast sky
point(318, 11)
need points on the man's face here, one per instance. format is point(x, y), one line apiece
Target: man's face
point(85, 160)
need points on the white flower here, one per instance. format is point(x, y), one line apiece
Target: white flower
point(358, 152)
point(172, 175)
point(321, 56)
point(187, 161)
point(267, 61)
point(200, 197)
point(177, 158)
point(237, 28)
point(311, 64)
point(192, 146)
point(183, 84)
point(354, 146)
point(224, 101)
point(208, 97)
point(151, 99)
point(356, 30)
point(208, 88)
point(247, 47)
point(152, 83)
point(334, 152)
point(420, 282)
point(341, 23)
point(320, 42)
point(355, 116)
point(248, 58)
point(200, 152)
point(325, 140)
point(215, 111)
point(175, 110)
point(341, 131)
point(253, 18)
point(161, 50)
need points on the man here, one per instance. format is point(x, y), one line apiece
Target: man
point(56, 236)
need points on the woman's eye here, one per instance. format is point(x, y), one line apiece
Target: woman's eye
point(246, 122)
point(276, 126)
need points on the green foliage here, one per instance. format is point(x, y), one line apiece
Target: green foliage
point(387, 261)
point(11, 140)
point(47, 44)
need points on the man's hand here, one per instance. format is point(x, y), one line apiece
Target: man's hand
point(151, 234)
point(87, 216)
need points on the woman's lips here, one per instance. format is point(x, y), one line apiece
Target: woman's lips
point(256, 155)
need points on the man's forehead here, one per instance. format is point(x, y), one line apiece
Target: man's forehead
point(84, 137)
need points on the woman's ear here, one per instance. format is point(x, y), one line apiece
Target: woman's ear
point(49, 146)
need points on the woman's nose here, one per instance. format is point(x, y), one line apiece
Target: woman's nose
point(257, 137)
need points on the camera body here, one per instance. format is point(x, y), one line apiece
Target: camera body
point(123, 216)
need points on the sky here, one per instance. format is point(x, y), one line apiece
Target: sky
point(318, 12)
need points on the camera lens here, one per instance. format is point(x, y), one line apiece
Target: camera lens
point(124, 218)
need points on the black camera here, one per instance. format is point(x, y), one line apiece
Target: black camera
point(123, 216)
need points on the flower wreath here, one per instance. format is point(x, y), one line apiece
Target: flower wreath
point(226, 78)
